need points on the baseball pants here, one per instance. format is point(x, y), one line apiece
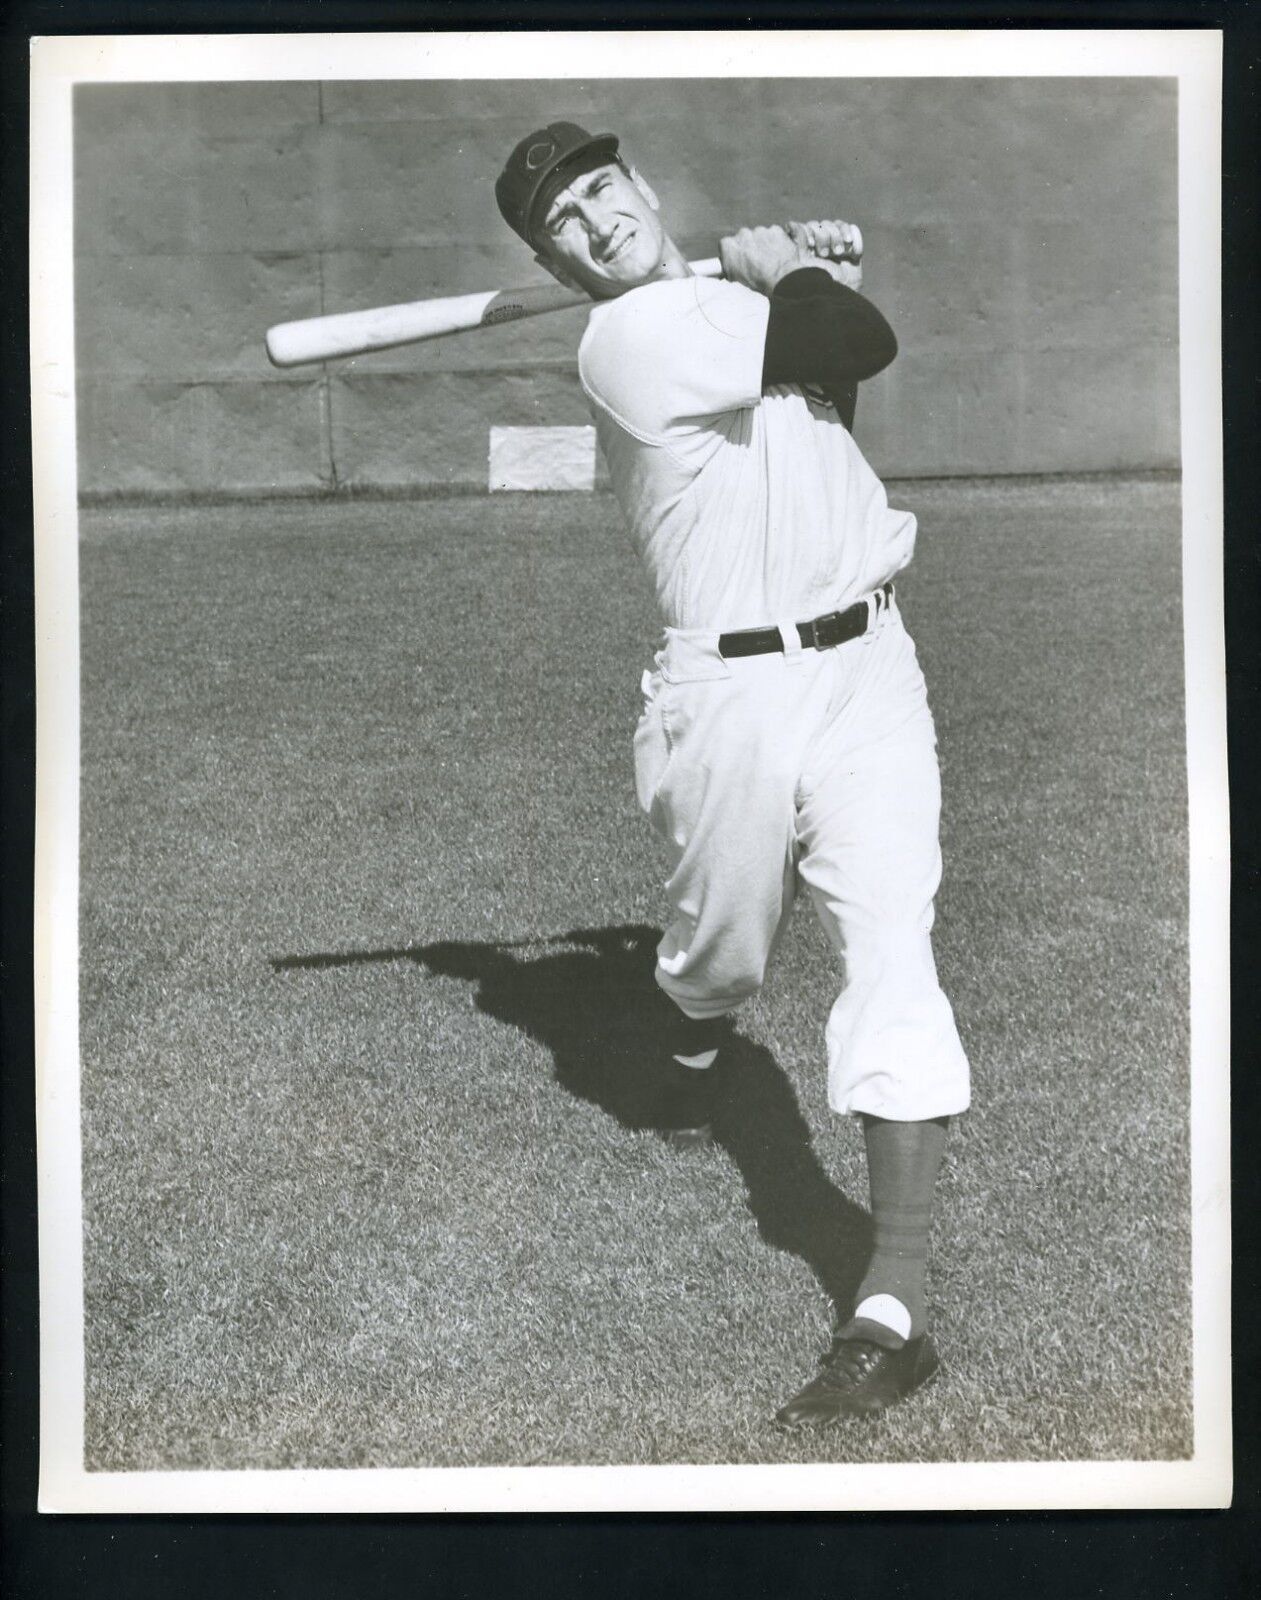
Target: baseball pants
point(817, 766)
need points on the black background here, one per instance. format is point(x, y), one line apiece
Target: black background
point(1194, 1554)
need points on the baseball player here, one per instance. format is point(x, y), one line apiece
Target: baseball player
point(785, 736)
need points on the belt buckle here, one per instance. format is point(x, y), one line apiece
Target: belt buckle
point(826, 631)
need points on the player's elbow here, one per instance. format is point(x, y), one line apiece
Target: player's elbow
point(859, 354)
point(880, 352)
point(862, 341)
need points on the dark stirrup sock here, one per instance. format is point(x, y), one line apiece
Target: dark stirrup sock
point(903, 1159)
point(696, 1041)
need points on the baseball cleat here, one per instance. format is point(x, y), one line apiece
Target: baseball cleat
point(860, 1378)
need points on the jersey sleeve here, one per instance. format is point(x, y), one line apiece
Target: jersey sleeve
point(819, 331)
point(668, 358)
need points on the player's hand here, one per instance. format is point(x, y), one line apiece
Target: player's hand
point(760, 257)
point(838, 241)
point(835, 246)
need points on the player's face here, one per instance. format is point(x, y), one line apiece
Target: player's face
point(603, 232)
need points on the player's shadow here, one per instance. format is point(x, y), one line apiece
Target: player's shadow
point(589, 997)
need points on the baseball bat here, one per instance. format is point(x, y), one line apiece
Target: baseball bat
point(355, 333)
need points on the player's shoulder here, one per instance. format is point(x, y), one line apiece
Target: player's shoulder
point(669, 307)
point(678, 348)
point(661, 328)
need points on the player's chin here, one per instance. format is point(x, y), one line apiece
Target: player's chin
point(629, 271)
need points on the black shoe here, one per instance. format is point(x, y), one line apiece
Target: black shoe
point(859, 1379)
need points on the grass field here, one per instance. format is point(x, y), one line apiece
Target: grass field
point(365, 898)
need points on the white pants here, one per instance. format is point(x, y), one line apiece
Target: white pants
point(818, 764)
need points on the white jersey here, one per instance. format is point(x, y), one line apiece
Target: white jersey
point(748, 507)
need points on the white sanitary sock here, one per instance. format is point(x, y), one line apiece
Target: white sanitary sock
point(888, 1311)
point(700, 1062)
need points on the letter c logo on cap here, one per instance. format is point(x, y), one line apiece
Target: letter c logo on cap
point(537, 154)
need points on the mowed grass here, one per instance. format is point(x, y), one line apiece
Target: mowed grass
point(367, 920)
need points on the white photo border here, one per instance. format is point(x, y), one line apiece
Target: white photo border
point(1194, 58)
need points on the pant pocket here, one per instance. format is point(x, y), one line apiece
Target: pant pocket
point(652, 743)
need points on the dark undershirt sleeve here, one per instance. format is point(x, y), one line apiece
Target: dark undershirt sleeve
point(845, 398)
point(819, 332)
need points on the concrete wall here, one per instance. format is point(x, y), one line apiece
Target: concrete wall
point(1021, 238)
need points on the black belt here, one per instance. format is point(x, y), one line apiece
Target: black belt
point(820, 634)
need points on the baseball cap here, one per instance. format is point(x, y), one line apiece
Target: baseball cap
point(541, 165)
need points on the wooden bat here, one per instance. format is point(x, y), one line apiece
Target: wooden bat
point(354, 333)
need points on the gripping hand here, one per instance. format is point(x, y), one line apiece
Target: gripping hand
point(760, 257)
point(837, 247)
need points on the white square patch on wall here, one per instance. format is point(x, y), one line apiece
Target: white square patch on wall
point(542, 458)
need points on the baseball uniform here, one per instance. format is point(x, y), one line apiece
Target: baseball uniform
point(753, 507)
